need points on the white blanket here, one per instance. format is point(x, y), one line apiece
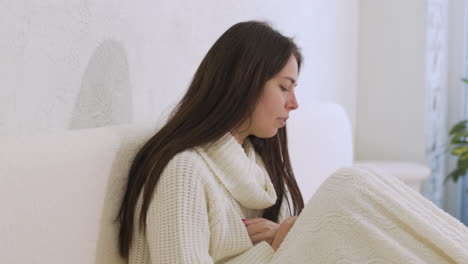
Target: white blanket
point(361, 215)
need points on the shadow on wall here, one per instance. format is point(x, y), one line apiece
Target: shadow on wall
point(105, 97)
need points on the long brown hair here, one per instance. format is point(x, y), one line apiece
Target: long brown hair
point(223, 93)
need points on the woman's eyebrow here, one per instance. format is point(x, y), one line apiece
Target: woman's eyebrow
point(291, 79)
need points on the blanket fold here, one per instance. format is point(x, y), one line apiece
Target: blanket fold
point(361, 215)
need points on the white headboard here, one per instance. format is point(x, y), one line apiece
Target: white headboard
point(320, 142)
point(60, 194)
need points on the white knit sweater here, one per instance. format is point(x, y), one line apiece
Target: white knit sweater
point(196, 211)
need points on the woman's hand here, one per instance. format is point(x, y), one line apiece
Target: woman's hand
point(282, 232)
point(261, 229)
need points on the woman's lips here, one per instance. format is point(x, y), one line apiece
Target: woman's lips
point(283, 121)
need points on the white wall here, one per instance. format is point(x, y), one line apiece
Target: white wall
point(402, 95)
point(391, 97)
point(74, 64)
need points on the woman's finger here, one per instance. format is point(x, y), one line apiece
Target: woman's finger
point(259, 228)
point(252, 221)
point(259, 237)
point(283, 230)
point(264, 226)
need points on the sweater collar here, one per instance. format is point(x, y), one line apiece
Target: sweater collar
point(241, 171)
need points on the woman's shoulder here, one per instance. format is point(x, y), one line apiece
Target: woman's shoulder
point(189, 157)
point(187, 163)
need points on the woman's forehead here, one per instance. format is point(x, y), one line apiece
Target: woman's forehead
point(289, 71)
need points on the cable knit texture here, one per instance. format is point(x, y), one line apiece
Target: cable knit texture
point(196, 211)
point(362, 215)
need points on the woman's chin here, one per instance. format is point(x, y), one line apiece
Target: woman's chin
point(267, 134)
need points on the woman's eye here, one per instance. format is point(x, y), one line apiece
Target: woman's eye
point(284, 89)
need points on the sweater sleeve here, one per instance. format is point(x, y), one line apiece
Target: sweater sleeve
point(177, 221)
point(261, 253)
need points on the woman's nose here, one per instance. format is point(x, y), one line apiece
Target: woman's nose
point(292, 103)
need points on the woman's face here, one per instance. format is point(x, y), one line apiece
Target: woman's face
point(277, 100)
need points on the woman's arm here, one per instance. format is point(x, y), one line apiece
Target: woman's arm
point(177, 221)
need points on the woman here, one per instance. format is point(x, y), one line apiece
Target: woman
point(215, 184)
point(222, 157)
